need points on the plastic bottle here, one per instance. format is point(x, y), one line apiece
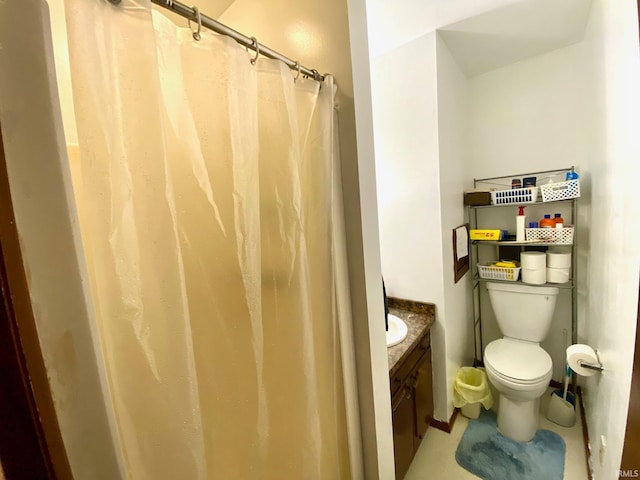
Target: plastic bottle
point(558, 220)
point(520, 225)
point(546, 222)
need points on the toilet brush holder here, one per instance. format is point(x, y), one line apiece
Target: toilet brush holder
point(562, 408)
point(561, 411)
point(570, 397)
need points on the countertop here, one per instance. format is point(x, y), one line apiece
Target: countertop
point(419, 318)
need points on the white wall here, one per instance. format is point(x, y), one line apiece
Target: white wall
point(535, 114)
point(421, 123)
point(609, 319)
point(453, 130)
point(405, 117)
point(407, 170)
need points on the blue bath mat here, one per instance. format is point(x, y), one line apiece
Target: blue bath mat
point(490, 455)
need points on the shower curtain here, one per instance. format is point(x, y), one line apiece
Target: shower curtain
point(209, 211)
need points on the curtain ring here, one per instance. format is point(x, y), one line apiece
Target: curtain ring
point(196, 34)
point(295, 79)
point(256, 46)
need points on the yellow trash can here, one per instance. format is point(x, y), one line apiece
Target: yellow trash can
point(470, 390)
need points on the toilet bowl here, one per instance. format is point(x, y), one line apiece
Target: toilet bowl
point(516, 365)
point(520, 371)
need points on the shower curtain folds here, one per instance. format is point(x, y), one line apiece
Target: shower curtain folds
point(210, 235)
point(192, 14)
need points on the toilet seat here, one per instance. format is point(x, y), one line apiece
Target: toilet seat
point(517, 361)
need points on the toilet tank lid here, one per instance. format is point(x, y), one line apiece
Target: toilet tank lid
point(519, 288)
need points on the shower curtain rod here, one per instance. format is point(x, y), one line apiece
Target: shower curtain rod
point(192, 14)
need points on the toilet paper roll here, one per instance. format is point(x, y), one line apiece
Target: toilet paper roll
point(558, 259)
point(534, 277)
point(578, 353)
point(558, 275)
point(533, 260)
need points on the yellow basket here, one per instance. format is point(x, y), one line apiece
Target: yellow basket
point(490, 272)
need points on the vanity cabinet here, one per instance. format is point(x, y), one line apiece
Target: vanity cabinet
point(424, 398)
point(411, 403)
point(403, 411)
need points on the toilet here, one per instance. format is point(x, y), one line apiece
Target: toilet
point(516, 364)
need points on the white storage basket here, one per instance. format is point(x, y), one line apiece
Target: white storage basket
point(560, 191)
point(514, 196)
point(491, 272)
point(555, 236)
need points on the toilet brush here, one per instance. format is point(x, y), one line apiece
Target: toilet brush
point(561, 410)
point(565, 393)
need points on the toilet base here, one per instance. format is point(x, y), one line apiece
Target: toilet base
point(518, 420)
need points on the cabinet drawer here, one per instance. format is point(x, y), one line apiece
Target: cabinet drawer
point(398, 379)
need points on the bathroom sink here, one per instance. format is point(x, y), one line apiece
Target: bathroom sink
point(397, 331)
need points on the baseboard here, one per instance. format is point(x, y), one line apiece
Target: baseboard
point(556, 384)
point(444, 426)
point(585, 434)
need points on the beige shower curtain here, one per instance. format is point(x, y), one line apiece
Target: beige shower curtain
point(211, 241)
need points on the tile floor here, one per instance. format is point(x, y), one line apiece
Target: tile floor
point(435, 459)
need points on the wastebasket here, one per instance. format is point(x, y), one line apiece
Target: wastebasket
point(470, 390)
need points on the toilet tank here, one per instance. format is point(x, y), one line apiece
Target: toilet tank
point(523, 311)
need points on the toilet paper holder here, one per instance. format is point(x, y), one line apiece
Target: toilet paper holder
point(591, 366)
point(584, 360)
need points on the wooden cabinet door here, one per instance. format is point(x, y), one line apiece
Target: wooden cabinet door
point(404, 422)
point(424, 397)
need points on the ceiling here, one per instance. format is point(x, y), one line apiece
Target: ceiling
point(393, 24)
point(515, 32)
point(213, 8)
